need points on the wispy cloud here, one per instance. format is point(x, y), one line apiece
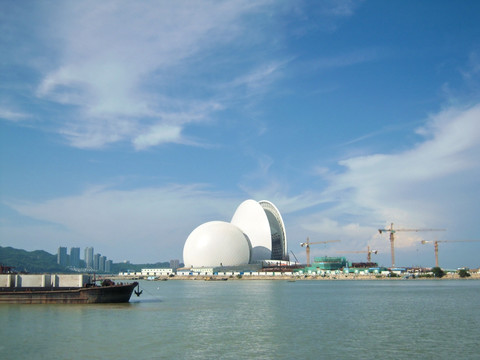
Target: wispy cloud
point(12, 115)
point(119, 71)
point(153, 221)
point(355, 57)
point(258, 80)
point(116, 61)
point(410, 188)
point(341, 8)
point(433, 184)
point(332, 13)
point(472, 70)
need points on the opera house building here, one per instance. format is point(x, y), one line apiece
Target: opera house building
point(255, 233)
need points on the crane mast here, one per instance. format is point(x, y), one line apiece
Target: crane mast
point(392, 237)
point(435, 246)
point(369, 254)
point(307, 247)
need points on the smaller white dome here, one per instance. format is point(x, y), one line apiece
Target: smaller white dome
point(216, 243)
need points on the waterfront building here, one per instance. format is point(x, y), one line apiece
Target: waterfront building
point(108, 266)
point(216, 243)
point(96, 262)
point(175, 264)
point(157, 272)
point(330, 263)
point(262, 223)
point(75, 257)
point(62, 258)
point(101, 263)
point(255, 233)
point(89, 257)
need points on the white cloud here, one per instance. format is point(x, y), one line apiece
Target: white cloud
point(119, 61)
point(96, 133)
point(149, 224)
point(473, 68)
point(138, 64)
point(342, 8)
point(9, 114)
point(432, 185)
point(156, 135)
point(259, 79)
point(352, 58)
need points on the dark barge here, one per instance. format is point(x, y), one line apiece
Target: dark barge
point(61, 289)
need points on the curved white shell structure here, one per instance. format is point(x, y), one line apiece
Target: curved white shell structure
point(252, 220)
point(216, 243)
point(277, 231)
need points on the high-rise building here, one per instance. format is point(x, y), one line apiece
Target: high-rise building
point(75, 257)
point(101, 264)
point(62, 256)
point(174, 264)
point(96, 261)
point(89, 257)
point(108, 266)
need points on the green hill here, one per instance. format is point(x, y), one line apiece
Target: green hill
point(40, 261)
point(37, 261)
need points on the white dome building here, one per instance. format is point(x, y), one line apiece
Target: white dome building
point(255, 233)
point(262, 223)
point(216, 243)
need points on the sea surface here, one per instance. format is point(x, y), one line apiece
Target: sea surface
point(256, 319)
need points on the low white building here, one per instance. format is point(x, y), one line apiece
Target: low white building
point(157, 272)
point(195, 271)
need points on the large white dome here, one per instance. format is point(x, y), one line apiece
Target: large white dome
point(216, 243)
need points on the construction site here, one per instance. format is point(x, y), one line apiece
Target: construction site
point(340, 264)
point(323, 267)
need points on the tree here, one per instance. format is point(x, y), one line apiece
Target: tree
point(463, 273)
point(438, 272)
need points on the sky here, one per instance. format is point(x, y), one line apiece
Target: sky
point(125, 125)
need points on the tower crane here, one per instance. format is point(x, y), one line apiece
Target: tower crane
point(368, 251)
point(295, 257)
point(392, 237)
point(435, 245)
point(307, 246)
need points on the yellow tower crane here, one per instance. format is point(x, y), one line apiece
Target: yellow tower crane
point(392, 237)
point(307, 246)
point(435, 245)
point(368, 251)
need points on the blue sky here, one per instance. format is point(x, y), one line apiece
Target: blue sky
point(125, 125)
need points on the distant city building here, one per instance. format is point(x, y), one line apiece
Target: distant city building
point(101, 264)
point(62, 256)
point(108, 266)
point(75, 257)
point(89, 257)
point(96, 262)
point(175, 264)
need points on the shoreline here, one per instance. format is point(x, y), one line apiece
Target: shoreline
point(332, 277)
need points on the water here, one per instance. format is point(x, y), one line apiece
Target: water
point(256, 319)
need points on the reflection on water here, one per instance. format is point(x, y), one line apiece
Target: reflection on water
point(258, 319)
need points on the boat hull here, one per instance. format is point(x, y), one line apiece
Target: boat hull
point(86, 295)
